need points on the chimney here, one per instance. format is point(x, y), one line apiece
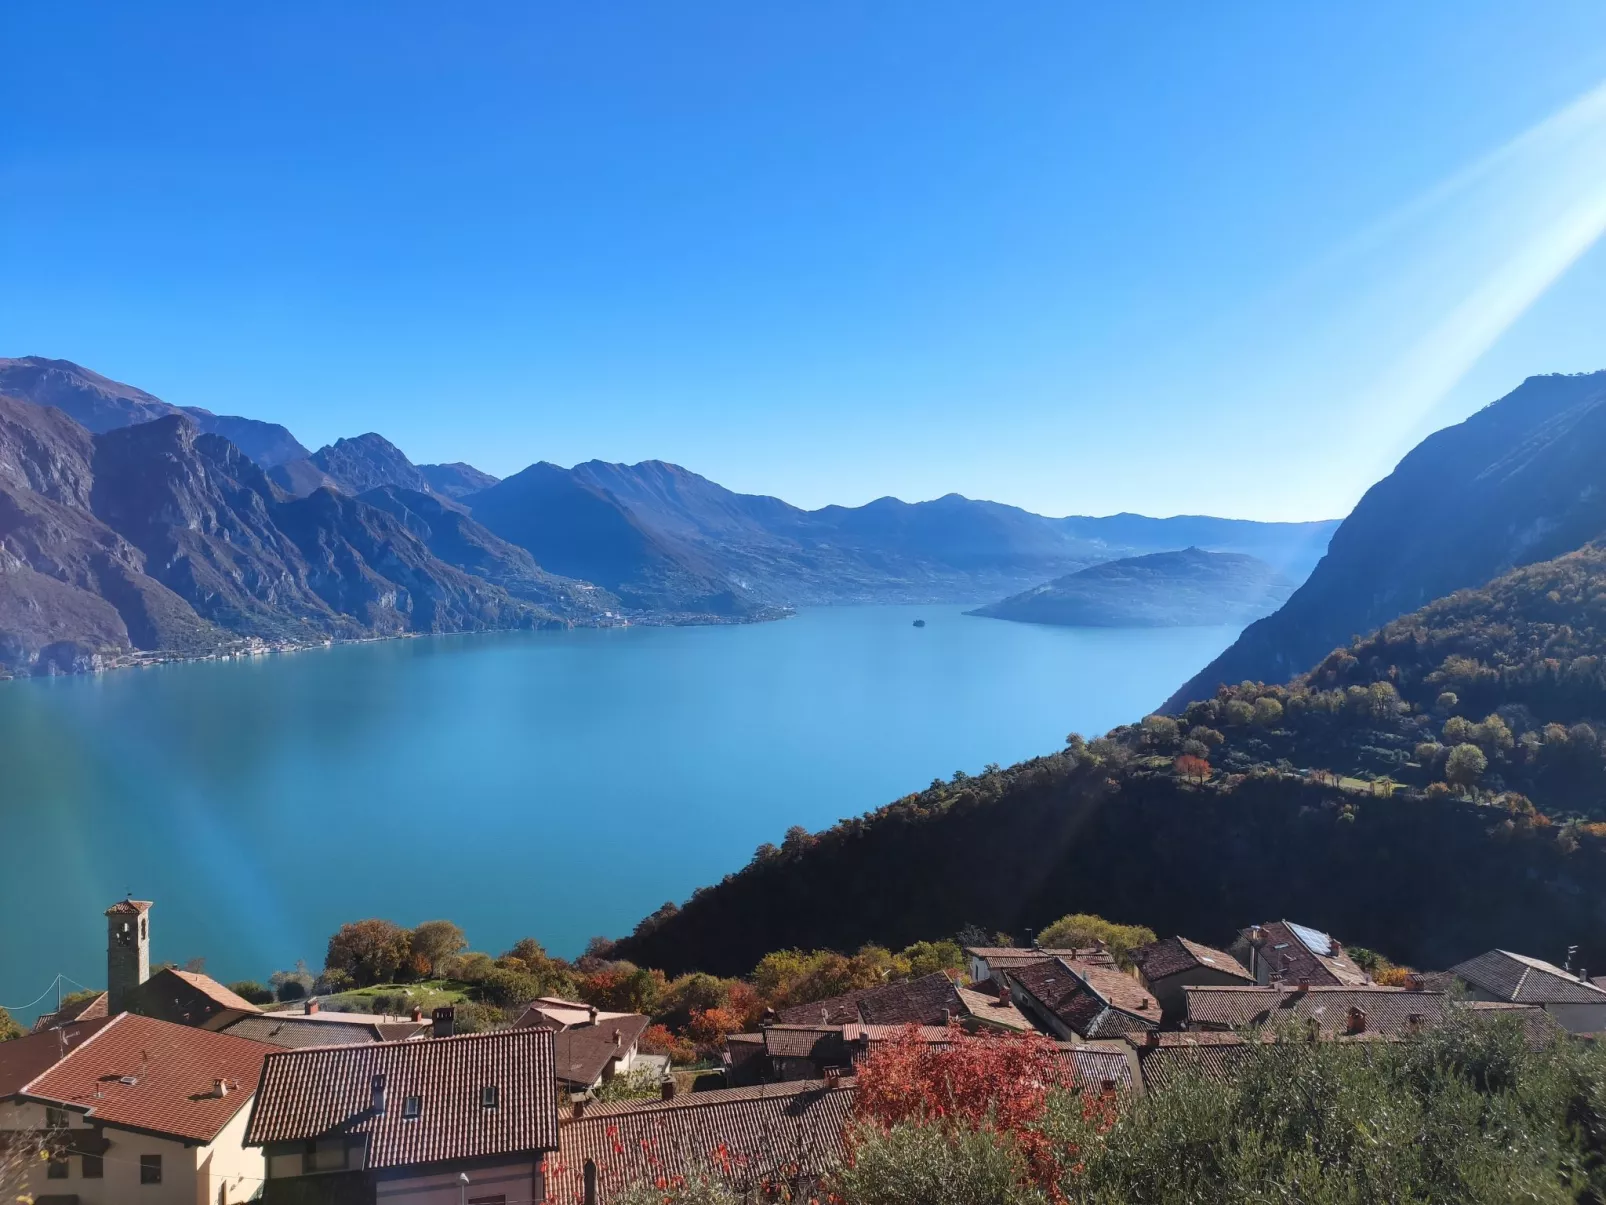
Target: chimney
point(418, 1013)
point(311, 1006)
point(618, 1039)
point(443, 1021)
point(667, 1089)
point(947, 1017)
point(1416, 983)
point(1302, 987)
point(1356, 1021)
point(591, 1014)
point(1414, 1021)
point(833, 1077)
point(578, 1108)
point(220, 1087)
point(1151, 1037)
point(767, 1019)
point(1106, 1088)
point(377, 1086)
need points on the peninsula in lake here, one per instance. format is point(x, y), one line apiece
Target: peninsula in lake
point(1190, 588)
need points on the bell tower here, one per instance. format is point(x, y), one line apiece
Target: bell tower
point(128, 951)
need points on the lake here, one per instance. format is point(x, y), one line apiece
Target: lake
point(557, 784)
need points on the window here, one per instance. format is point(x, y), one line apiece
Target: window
point(55, 1118)
point(412, 1106)
point(93, 1168)
point(57, 1169)
point(325, 1155)
point(488, 1096)
point(150, 1169)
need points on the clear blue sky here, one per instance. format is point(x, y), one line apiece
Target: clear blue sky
point(1227, 258)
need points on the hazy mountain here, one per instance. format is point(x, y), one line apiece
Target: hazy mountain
point(352, 466)
point(580, 530)
point(1162, 589)
point(101, 404)
point(456, 480)
point(455, 538)
point(950, 549)
point(1518, 482)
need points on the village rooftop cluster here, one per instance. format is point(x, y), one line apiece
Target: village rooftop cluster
point(169, 1087)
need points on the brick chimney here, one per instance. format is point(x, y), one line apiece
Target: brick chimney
point(666, 1090)
point(591, 1014)
point(578, 1108)
point(1356, 1020)
point(1302, 986)
point(311, 1006)
point(1151, 1037)
point(418, 1013)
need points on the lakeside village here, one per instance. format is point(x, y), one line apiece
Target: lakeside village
point(171, 1087)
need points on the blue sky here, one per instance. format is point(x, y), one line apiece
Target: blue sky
point(1084, 258)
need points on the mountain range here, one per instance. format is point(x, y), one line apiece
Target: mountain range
point(184, 531)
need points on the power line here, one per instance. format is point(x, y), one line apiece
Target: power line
point(17, 1008)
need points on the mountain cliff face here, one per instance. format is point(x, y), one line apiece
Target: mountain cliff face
point(100, 404)
point(1518, 482)
point(353, 466)
point(1162, 589)
point(157, 536)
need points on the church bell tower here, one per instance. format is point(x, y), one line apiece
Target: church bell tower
point(128, 951)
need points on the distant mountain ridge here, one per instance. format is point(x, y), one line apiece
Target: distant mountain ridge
point(1518, 482)
point(1161, 589)
point(597, 542)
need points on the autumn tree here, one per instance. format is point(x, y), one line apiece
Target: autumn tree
point(1196, 769)
point(1081, 929)
point(370, 951)
point(1268, 712)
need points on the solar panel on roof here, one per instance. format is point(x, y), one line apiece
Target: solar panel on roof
point(1315, 940)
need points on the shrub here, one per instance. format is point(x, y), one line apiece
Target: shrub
point(1465, 765)
point(1083, 929)
point(251, 990)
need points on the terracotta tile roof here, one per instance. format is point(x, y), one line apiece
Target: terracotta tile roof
point(1300, 952)
point(1388, 1009)
point(129, 908)
point(141, 1073)
point(824, 1044)
point(1539, 1026)
point(1524, 980)
point(553, 1012)
point(1215, 1056)
point(329, 1089)
point(770, 1132)
point(1025, 953)
point(294, 1032)
point(1093, 1001)
point(1088, 1068)
point(85, 1010)
point(1175, 955)
point(997, 1011)
point(23, 1059)
point(582, 1054)
point(921, 1001)
point(214, 990)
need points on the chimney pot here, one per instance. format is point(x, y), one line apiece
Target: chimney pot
point(591, 1014)
point(667, 1089)
point(311, 1006)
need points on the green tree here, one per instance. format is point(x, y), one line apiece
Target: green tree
point(1458, 730)
point(1493, 735)
point(1238, 713)
point(9, 1028)
point(925, 957)
point(1465, 765)
point(1082, 929)
point(1161, 731)
point(1268, 712)
point(435, 941)
point(250, 989)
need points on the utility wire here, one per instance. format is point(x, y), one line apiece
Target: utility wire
point(17, 1008)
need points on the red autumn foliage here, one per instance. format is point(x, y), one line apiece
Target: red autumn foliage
point(1191, 767)
point(999, 1084)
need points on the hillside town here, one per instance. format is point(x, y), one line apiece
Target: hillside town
point(170, 1087)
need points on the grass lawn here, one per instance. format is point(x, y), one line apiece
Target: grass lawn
point(426, 993)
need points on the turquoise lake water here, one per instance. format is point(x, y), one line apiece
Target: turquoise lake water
point(556, 784)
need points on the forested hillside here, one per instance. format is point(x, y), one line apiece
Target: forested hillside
point(1429, 790)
